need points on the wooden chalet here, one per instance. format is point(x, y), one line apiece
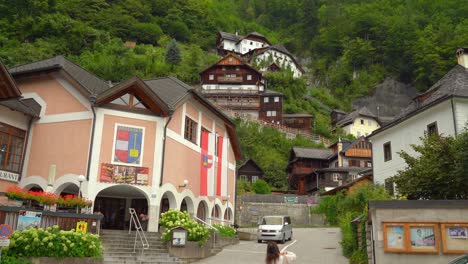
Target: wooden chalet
point(250, 171)
point(299, 121)
point(8, 88)
point(271, 107)
point(233, 85)
point(312, 169)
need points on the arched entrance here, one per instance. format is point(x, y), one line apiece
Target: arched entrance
point(33, 187)
point(202, 210)
point(187, 205)
point(228, 214)
point(168, 201)
point(113, 202)
point(67, 189)
point(216, 214)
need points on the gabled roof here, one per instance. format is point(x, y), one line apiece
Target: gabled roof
point(453, 84)
point(255, 34)
point(348, 185)
point(230, 36)
point(26, 106)
point(349, 118)
point(86, 79)
point(250, 161)
point(235, 57)
point(8, 88)
point(312, 153)
point(352, 144)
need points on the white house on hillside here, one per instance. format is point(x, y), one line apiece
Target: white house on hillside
point(360, 122)
point(255, 48)
point(442, 109)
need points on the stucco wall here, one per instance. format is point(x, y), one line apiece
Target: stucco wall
point(461, 113)
point(403, 135)
point(363, 129)
point(412, 215)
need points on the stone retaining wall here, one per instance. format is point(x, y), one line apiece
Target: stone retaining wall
point(44, 260)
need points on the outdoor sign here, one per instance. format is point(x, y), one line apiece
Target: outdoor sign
point(5, 231)
point(9, 176)
point(291, 199)
point(128, 142)
point(82, 226)
point(28, 219)
point(124, 174)
point(4, 242)
point(179, 236)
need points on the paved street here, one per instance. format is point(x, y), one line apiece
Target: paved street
point(313, 246)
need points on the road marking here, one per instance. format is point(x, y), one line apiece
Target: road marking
point(288, 245)
point(234, 250)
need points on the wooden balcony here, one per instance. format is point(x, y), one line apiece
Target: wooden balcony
point(238, 92)
point(230, 79)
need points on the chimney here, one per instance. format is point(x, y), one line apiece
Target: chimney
point(462, 55)
point(339, 145)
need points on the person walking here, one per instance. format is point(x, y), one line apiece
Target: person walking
point(275, 256)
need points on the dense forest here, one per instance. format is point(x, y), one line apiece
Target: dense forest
point(347, 46)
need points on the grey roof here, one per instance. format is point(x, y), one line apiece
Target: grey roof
point(349, 118)
point(312, 153)
point(296, 115)
point(271, 92)
point(230, 36)
point(348, 145)
point(170, 89)
point(26, 106)
point(88, 80)
point(454, 83)
point(282, 48)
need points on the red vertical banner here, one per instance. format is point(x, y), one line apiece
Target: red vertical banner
point(205, 164)
point(220, 166)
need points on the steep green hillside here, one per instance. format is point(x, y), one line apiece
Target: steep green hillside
point(350, 45)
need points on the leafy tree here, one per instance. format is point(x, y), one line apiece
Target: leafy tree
point(261, 187)
point(438, 171)
point(173, 56)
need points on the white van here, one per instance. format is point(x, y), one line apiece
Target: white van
point(276, 227)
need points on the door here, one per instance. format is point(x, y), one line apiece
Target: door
point(301, 186)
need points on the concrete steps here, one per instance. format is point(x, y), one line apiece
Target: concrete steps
point(118, 248)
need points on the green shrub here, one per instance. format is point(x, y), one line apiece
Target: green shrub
point(261, 187)
point(174, 218)
point(225, 231)
point(14, 260)
point(243, 186)
point(53, 242)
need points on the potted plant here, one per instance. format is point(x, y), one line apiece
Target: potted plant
point(17, 195)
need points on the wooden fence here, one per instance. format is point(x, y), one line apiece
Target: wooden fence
point(66, 221)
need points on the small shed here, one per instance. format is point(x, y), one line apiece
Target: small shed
point(250, 171)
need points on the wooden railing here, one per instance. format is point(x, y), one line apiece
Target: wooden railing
point(289, 131)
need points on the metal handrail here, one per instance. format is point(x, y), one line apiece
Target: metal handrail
point(139, 231)
point(205, 223)
point(220, 220)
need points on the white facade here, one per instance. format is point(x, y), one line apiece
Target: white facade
point(361, 126)
point(409, 131)
point(243, 46)
point(283, 60)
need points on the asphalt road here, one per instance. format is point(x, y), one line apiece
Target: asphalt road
point(312, 246)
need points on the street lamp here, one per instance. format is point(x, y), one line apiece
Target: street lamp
point(81, 179)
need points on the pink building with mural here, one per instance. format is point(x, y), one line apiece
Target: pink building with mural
point(148, 144)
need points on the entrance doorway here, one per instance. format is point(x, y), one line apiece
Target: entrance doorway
point(114, 202)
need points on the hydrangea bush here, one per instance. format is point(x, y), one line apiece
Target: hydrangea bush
point(225, 231)
point(174, 218)
point(53, 242)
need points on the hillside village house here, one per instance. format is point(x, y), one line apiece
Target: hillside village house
point(250, 171)
point(312, 169)
point(149, 144)
point(442, 109)
point(360, 122)
point(234, 85)
point(255, 48)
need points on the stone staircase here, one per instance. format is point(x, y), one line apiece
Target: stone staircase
point(118, 249)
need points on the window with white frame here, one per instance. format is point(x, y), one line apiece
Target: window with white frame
point(268, 113)
point(11, 147)
point(276, 99)
point(249, 77)
point(211, 77)
point(265, 99)
point(336, 177)
point(254, 179)
point(354, 176)
point(273, 113)
point(243, 177)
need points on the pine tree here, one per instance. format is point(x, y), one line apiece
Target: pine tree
point(173, 56)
